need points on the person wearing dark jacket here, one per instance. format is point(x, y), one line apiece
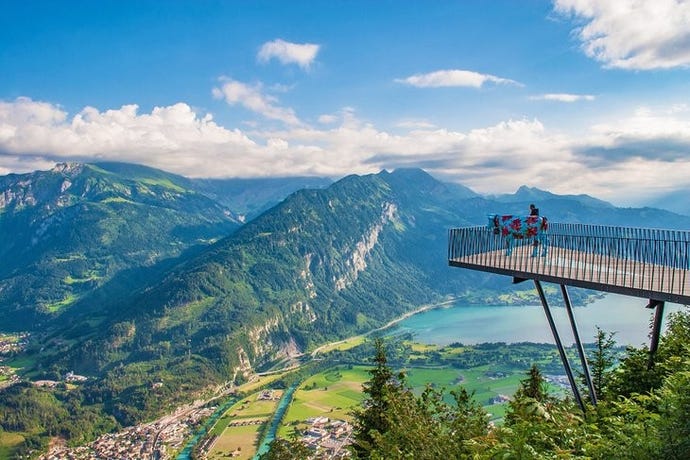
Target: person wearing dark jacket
point(533, 211)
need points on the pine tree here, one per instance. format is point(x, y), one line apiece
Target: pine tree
point(397, 424)
point(600, 361)
point(534, 386)
point(372, 419)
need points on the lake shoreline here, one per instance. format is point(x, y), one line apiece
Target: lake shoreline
point(471, 324)
point(450, 301)
point(417, 311)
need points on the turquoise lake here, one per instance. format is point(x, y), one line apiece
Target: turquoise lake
point(472, 324)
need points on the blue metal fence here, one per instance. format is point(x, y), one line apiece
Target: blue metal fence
point(652, 263)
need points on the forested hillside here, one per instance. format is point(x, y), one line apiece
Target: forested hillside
point(71, 230)
point(321, 265)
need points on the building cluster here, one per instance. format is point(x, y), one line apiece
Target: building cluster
point(157, 440)
point(268, 395)
point(558, 380)
point(500, 399)
point(7, 376)
point(13, 343)
point(328, 438)
point(70, 377)
point(10, 344)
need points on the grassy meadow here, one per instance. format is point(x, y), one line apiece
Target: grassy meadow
point(333, 394)
point(240, 426)
point(240, 439)
point(8, 443)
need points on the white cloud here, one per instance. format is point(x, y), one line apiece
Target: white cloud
point(327, 119)
point(647, 134)
point(302, 54)
point(624, 160)
point(564, 97)
point(633, 34)
point(415, 124)
point(173, 138)
point(607, 162)
point(635, 158)
point(649, 122)
point(251, 98)
point(442, 78)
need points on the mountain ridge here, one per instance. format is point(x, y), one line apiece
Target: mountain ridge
point(528, 194)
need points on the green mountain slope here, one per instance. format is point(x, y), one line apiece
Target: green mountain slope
point(70, 230)
point(322, 264)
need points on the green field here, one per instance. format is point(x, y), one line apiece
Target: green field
point(250, 409)
point(8, 444)
point(336, 392)
point(241, 438)
point(342, 345)
point(19, 363)
point(55, 306)
point(333, 394)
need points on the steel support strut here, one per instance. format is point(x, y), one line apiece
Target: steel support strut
point(656, 329)
point(559, 345)
point(578, 343)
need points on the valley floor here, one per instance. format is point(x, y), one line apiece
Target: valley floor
point(320, 410)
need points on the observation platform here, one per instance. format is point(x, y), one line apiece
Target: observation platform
point(648, 263)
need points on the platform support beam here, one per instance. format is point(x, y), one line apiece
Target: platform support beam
point(656, 329)
point(578, 343)
point(559, 345)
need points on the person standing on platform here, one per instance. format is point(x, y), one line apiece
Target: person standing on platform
point(534, 211)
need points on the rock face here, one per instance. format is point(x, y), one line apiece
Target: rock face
point(357, 261)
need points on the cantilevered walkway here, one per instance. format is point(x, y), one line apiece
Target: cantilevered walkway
point(652, 264)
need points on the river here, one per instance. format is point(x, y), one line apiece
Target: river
point(472, 324)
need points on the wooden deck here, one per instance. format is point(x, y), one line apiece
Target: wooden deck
point(586, 270)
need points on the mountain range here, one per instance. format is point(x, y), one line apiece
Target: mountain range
point(132, 275)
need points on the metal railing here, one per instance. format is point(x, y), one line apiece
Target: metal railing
point(652, 263)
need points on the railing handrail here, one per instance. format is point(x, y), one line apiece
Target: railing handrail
point(648, 259)
point(554, 230)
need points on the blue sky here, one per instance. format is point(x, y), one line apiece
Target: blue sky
point(571, 96)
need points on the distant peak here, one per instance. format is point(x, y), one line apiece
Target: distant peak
point(527, 189)
point(407, 172)
point(68, 168)
point(411, 175)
